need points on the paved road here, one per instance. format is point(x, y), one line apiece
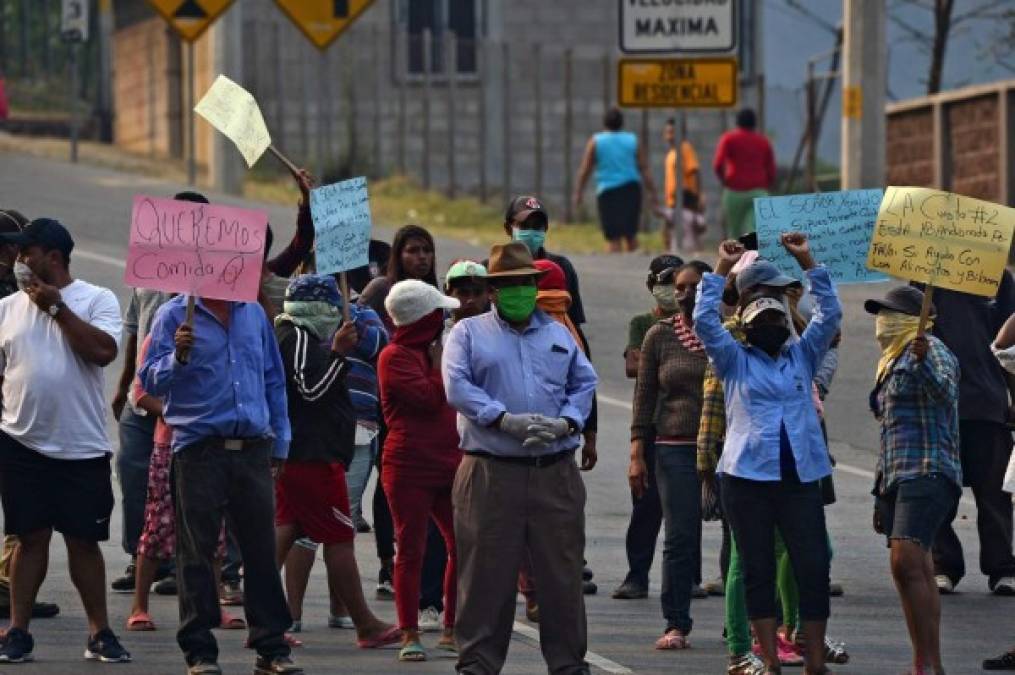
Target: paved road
point(96, 205)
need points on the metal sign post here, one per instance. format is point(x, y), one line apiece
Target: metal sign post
point(73, 31)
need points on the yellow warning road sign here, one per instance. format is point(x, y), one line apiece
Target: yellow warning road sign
point(677, 83)
point(323, 20)
point(190, 18)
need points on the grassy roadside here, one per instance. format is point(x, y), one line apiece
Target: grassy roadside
point(394, 201)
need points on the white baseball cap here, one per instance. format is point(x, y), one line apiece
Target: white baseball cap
point(761, 305)
point(410, 300)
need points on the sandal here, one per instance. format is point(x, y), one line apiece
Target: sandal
point(673, 639)
point(388, 637)
point(412, 652)
point(140, 622)
point(1005, 661)
point(447, 644)
point(230, 622)
point(292, 640)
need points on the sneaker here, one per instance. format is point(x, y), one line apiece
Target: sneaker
point(16, 646)
point(944, 584)
point(344, 622)
point(167, 586)
point(1004, 586)
point(106, 648)
point(231, 594)
point(1004, 662)
point(630, 590)
point(362, 526)
point(587, 573)
point(430, 620)
point(787, 653)
point(204, 668)
point(125, 582)
point(589, 588)
point(836, 590)
point(385, 589)
point(715, 587)
point(746, 664)
point(698, 593)
point(276, 665)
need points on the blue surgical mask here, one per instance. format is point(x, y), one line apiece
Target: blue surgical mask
point(533, 239)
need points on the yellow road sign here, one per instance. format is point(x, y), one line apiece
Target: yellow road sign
point(190, 18)
point(677, 83)
point(323, 20)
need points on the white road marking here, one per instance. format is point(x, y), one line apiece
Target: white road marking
point(594, 660)
point(118, 263)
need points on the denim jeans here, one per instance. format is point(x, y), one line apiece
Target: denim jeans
point(136, 443)
point(358, 475)
point(680, 495)
point(646, 520)
point(210, 483)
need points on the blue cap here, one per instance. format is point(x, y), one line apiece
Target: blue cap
point(763, 273)
point(314, 287)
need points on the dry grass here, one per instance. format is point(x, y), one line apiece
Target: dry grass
point(394, 201)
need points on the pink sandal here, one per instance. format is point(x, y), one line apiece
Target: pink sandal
point(388, 637)
point(140, 622)
point(230, 622)
point(673, 639)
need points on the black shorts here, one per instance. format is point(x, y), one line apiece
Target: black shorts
point(72, 496)
point(620, 211)
point(916, 508)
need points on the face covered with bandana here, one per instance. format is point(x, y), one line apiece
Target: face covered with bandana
point(894, 331)
point(313, 302)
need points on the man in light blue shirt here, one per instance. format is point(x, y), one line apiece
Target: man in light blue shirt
point(223, 389)
point(523, 389)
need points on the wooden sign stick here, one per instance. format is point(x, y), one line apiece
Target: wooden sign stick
point(293, 169)
point(184, 355)
point(343, 283)
point(928, 299)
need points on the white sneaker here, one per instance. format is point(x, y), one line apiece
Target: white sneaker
point(429, 620)
point(1005, 586)
point(944, 584)
point(344, 622)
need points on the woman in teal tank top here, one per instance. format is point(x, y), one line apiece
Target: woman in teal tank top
point(620, 168)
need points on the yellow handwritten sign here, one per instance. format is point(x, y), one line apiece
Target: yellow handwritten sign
point(232, 110)
point(941, 238)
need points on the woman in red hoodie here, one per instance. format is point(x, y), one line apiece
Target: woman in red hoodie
point(421, 451)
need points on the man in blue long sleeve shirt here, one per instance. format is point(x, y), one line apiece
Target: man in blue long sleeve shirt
point(523, 388)
point(223, 391)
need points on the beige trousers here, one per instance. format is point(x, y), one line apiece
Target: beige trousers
point(502, 510)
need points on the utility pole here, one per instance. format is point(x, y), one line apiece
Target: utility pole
point(864, 82)
point(104, 102)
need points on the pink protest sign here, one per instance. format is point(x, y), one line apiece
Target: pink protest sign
point(208, 250)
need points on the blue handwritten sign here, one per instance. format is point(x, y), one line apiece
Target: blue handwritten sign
point(341, 213)
point(839, 225)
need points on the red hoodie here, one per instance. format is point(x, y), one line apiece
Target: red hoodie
point(422, 428)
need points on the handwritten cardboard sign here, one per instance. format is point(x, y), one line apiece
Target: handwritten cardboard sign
point(341, 213)
point(941, 238)
point(232, 110)
point(839, 226)
point(208, 250)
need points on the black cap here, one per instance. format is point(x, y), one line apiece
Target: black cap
point(44, 232)
point(904, 299)
point(523, 207)
point(12, 221)
point(749, 240)
point(662, 268)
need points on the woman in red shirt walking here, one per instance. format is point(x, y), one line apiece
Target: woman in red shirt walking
point(745, 164)
point(421, 451)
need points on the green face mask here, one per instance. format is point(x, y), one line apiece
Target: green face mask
point(665, 298)
point(516, 303)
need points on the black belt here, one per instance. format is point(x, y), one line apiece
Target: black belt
point(539, 461)
point(233, 444)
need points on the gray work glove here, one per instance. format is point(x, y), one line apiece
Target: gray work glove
point(545, 430)
point(516, 426)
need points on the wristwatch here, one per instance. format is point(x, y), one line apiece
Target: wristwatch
point(55, 308)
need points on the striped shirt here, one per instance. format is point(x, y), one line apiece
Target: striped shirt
point(918, 407)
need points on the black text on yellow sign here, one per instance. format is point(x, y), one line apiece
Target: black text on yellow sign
point(323, 20)
point(677, 83)
point(190, 18)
